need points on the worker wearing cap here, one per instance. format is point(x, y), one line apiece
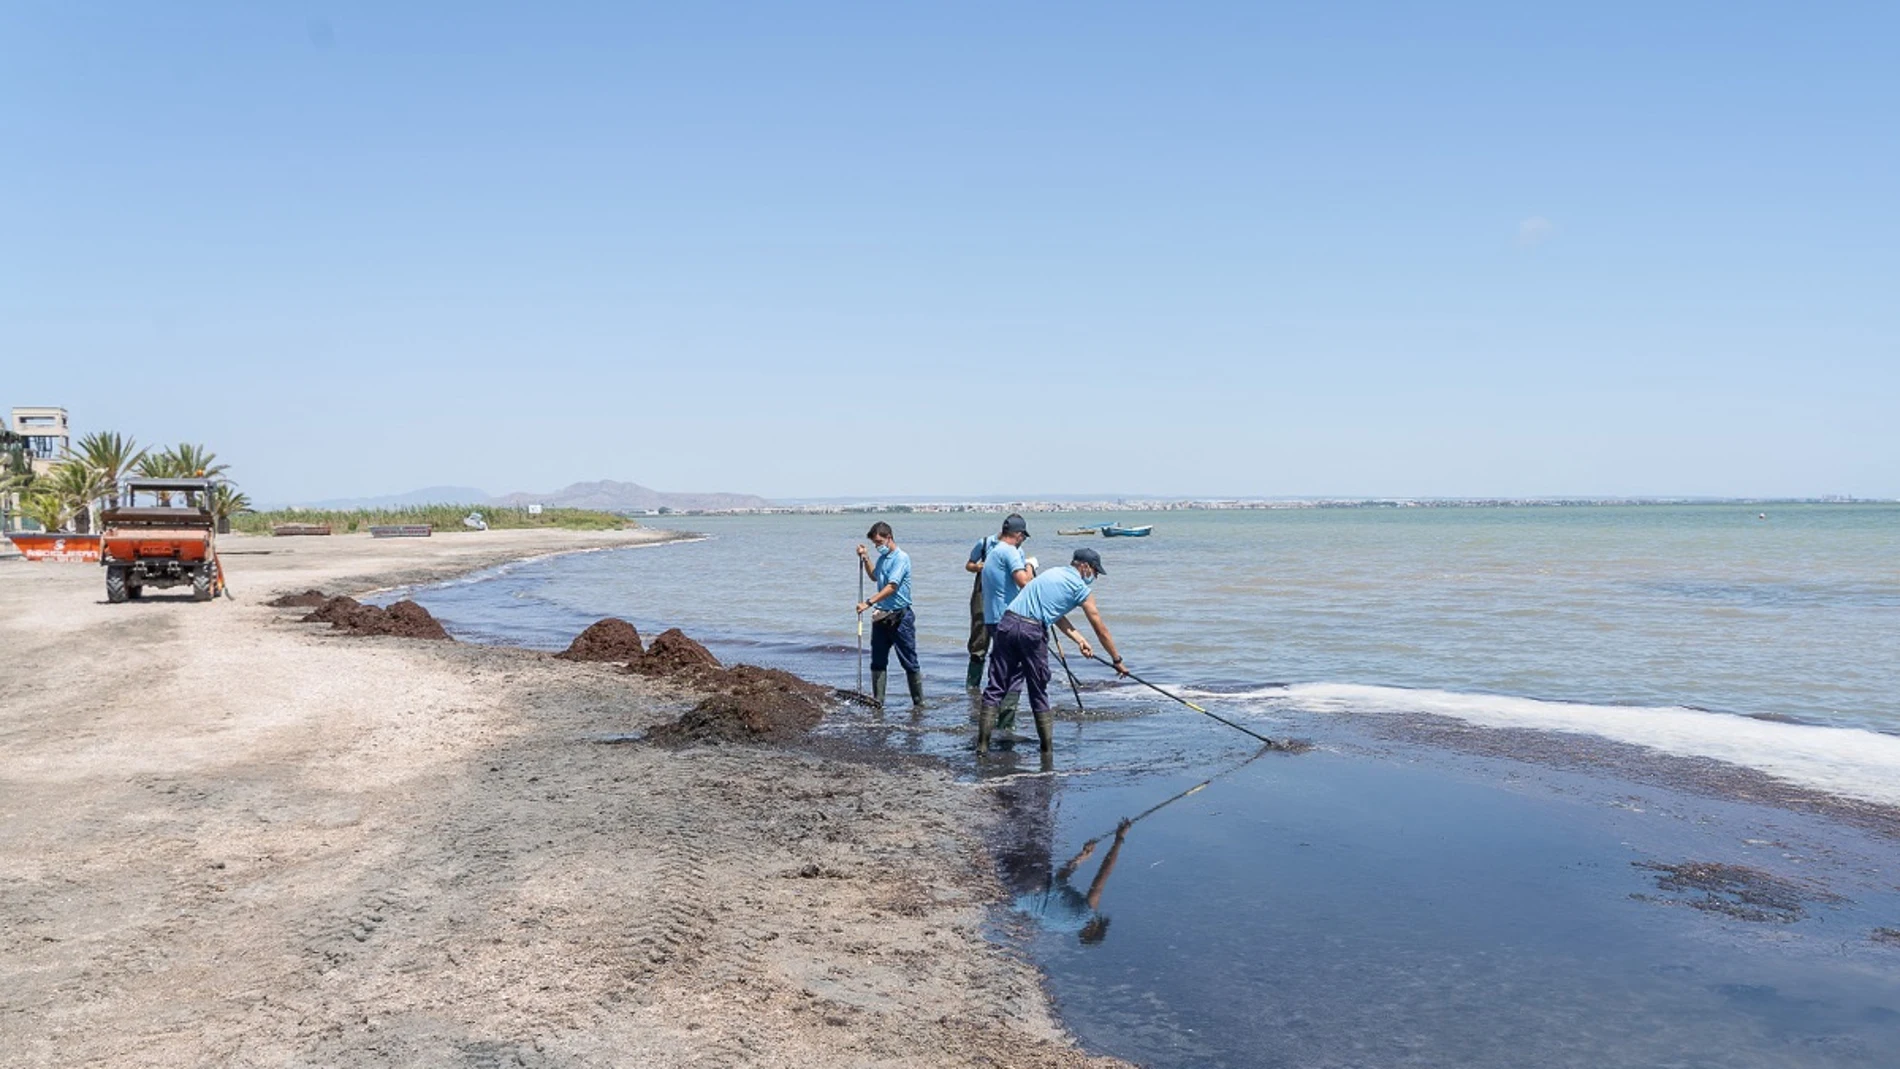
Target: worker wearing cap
point(892, 622)
point(1020, 649)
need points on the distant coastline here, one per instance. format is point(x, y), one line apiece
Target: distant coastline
point(1136, 504)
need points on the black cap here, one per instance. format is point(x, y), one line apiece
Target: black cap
point(1013, 524)
point(1087, 556)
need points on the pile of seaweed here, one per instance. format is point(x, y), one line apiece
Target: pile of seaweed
point(404, 619)
point(743, 703)
point(309, 599)
point(611, 639)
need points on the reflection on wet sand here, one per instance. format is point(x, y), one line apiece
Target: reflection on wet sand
point(1026, 855)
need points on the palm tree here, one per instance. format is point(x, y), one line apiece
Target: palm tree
point(44, 508)
point(114, 455)
point(77, 486)
point(227, 501)
point(194, 462)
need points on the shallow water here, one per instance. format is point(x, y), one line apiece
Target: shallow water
point(1393, 899)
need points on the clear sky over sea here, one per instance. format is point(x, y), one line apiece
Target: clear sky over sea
point(878, 249)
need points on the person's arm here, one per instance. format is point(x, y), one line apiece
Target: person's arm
point(1022, 577)
point(1063, 625)
point(973, 566)
point(886, 591)
point(1101, 632)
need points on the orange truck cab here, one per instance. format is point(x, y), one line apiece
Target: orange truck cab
point(170, 541)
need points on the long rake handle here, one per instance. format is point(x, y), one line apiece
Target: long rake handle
point(1191, 705)
point(1055, 637)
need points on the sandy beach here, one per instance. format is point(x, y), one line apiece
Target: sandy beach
point(230, 838)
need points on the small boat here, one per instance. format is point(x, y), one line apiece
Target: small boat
point(1116, 530)
point(1073, 532)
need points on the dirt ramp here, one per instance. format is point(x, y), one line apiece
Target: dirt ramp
point(611, 639)
point(309, 599)
point(404, 619)
point(672, 653)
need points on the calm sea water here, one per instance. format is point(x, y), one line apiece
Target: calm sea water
point(1382, 901)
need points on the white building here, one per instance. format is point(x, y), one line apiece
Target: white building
point(45, 432)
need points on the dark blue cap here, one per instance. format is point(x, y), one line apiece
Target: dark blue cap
point(1013, 524)
point(1087, 556)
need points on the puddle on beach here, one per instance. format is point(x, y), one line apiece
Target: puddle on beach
point(1382, 906)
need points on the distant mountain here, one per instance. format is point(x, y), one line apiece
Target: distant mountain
point(610, 496)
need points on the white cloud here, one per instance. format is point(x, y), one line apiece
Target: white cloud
point(1535, 231)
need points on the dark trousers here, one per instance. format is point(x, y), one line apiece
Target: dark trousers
point(1019, 653)
point(900, 630)
point(979, 631)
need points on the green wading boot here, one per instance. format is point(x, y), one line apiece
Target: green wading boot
point(985, 723)
point(1006, 718)
point(1046, 731)
point(973, 679)
point(877, 686)
point(916, 681)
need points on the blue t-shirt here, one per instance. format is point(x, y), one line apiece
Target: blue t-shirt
point(982, 548)
point(893, 566)
point(999, 579)
point(1051, 595)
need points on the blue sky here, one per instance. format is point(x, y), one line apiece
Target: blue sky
point(805, 250)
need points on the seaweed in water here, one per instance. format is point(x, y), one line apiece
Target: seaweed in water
point(1733, 890)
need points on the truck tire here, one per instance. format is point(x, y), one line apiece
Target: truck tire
point(201, 583)
point(115, 585)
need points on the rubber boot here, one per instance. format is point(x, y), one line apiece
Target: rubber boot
point(916, 681)
point(1006, 717)
point(973, 679)
point(878, 680)
point(985, 723)
point(1046, 731)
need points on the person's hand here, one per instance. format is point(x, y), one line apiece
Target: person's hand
point(862, 553)
point(1088, 652)
point(1120, 668)
point(863, 605)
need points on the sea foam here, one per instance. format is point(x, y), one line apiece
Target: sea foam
point(1849, 762)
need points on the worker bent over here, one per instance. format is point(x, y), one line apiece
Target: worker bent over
point(1020, 651)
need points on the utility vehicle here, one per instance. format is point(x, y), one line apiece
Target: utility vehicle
point(169, 541)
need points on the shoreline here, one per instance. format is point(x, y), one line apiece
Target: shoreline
point(235, 838)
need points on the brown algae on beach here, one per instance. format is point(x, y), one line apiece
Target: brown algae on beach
point(404, 619)
point(609, 639)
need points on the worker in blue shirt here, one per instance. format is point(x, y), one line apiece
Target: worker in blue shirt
point(1020, 649)
point(892, 622)
point(1005, 571)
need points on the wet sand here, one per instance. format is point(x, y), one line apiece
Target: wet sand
point(230, 838)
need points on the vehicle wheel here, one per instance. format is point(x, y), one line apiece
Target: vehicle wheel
point(134, 591)
point(201, 584)
point(115, 585)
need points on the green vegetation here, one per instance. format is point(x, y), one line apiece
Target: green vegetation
point(445, 518)
point(68, 496)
